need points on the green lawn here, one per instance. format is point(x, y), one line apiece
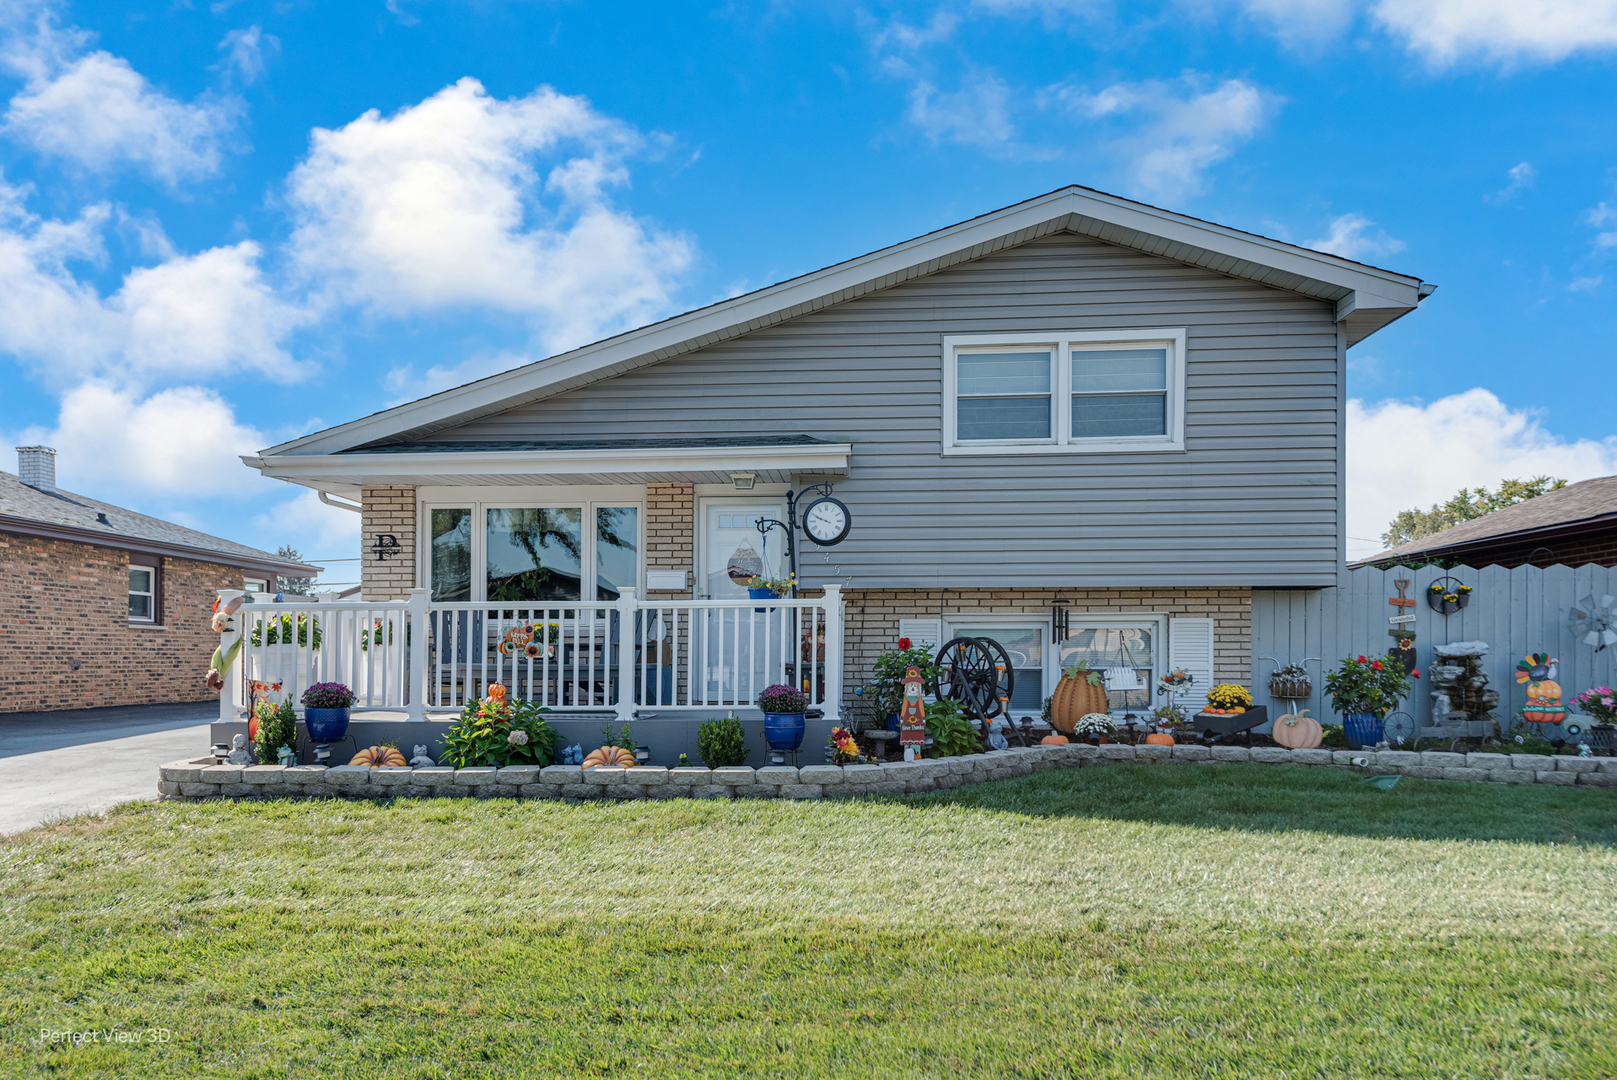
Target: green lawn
point(1225, 921)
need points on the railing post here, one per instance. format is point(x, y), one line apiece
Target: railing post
point(626, 607)
point(833, 653)
point(232, 673)
point(416, 628)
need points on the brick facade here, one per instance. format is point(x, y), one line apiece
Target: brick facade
point(65, 637)
point(388, 510)
point(670, 532)
point(873, 615)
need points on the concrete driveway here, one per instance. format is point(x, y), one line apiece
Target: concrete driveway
point(59, 764)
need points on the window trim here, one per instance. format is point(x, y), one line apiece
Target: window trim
point(263, 584)
point(480, 500)
point(1062, 441)
point(155, 595)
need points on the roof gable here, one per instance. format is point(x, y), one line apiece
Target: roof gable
point(1366, 299)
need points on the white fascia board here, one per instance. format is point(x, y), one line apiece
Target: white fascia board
point(722, 320)
point(312, 469)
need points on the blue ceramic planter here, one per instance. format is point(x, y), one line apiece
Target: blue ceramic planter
point(1362, 729)
point(892, 721)
point(784, 730)
point(325, 725)
point(763, 594)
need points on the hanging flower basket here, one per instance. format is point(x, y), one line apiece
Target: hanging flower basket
point(1447, 595)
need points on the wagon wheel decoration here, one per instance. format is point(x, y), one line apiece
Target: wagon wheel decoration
point(1399, 729)
point(977, 673)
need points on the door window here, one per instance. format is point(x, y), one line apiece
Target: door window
point(451, 555)
point(733, 550)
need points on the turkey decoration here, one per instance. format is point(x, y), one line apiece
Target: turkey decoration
point(1538, 671)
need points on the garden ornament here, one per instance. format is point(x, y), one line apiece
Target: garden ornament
point(912, 714)
point(421, 760)
point(996, 734)
point(286, 756)
point(239, 754)
point(225, 654)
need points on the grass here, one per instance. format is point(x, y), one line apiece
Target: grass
point(1226, 921)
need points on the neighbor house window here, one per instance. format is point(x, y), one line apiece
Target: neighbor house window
point(1079, 392)
point(555, 553)
point(254, 585)
point(142, 594)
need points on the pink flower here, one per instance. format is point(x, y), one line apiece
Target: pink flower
point(1605, 701)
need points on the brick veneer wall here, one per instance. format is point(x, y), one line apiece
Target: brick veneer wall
point(670, 532)
point(387, 510)
point(65, 638)
point(873, 615)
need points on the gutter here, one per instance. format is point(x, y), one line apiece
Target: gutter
point(144, 546)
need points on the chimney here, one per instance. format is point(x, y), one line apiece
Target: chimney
point(36, 467)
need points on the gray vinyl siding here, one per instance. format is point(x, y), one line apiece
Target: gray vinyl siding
point(1254, 500)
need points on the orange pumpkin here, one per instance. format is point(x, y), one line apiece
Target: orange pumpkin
point(610, 755)
point(1297, 732)
point(1159, 738)
point(1053, 740)
point(1074, 698)
point(379, 756)
point(496, 691)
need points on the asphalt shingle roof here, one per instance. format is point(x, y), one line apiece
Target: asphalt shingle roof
point(23, 504)
point(1576, 502)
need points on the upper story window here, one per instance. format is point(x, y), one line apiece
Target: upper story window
point(1083, 392)
point(142, 594)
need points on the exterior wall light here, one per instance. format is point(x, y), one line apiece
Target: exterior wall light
point(743, 481)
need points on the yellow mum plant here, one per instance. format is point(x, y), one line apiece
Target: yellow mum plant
point(1229, 696)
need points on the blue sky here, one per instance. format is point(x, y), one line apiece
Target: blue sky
point(225, 224)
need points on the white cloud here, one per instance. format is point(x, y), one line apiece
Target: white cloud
point(1293, 22)
point(405, 385)
point(1603, 217)
point(318, 531)
point(443, 205)
point(189, 316)
point(1178, 130)
point(100, 113)
point(977, 114)
point(1520, 177)
point(181, 442)
point(1404, 454)
point(1445, 32)
point(244, 54)
point(1585, 284)
point(1351, 237)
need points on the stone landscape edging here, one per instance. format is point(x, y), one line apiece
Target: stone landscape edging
point(202, 779)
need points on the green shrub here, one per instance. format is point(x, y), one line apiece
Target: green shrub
point(1332, 737)
point(951, 732)
point(499, 733)
point(722, 743)
point(277, 727)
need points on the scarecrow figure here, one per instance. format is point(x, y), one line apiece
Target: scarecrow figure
point(912, 715)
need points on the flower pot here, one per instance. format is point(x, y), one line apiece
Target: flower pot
point(763, 594)
point(784, 730)
point(1362, 729)
point(325, 725)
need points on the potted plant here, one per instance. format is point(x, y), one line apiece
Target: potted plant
point(325, 711)
point(784, 719)
point(1364, 690)
point(1600, 702)
point(1095, 727)
point(762, 588)
point(1446, 596)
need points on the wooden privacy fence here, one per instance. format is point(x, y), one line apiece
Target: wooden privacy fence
point(1516, 611)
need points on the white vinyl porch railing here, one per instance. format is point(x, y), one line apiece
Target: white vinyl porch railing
point(412, 655)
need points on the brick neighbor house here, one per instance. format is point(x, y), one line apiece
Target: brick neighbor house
point(103, 606)
point(1086, 427)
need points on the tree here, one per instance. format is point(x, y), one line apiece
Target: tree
point(294, 586)
point(1468, 505)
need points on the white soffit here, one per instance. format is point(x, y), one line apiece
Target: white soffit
point(1366, 299)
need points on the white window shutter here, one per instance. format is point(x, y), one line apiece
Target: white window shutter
point(1190, 646)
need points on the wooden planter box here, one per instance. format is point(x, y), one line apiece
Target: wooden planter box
point(1216, 724)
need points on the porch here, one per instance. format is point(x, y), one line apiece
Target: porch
point(417, 659)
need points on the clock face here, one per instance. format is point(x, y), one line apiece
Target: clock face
point(826, 521)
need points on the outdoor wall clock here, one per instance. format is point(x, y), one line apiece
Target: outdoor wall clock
point(827, 521)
